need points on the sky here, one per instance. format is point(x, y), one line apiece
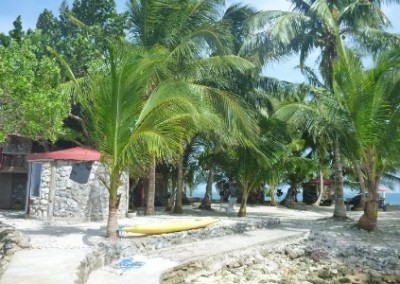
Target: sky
point(30, 10)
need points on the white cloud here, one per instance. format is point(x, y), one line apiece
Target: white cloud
point(265, 4)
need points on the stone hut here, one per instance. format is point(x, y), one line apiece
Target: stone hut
point(69, 183)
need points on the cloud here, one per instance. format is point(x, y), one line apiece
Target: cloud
point(265, 4)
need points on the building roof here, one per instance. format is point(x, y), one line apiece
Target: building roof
point(76, 154)
point(316, 181)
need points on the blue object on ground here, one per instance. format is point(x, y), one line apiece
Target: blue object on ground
point(129, 263)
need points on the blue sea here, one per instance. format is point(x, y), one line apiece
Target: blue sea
point(391, 198)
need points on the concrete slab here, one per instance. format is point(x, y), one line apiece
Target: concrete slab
point(44, 266)
point(167, 258)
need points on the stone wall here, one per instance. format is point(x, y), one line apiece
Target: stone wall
point(82, 200)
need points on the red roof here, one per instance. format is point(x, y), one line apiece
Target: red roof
point(316, 181)
point(77, 154)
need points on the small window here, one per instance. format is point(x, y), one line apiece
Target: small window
point(35, 179)
point(80, 172)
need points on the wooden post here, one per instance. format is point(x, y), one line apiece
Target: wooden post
point(28, 190)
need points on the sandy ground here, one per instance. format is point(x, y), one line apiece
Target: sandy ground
point(64, 238)
point(66, 234)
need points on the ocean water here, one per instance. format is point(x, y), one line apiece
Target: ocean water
point(200, 190)
point(392, 198)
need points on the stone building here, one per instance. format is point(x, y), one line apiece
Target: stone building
point(69, 183)
point(13, 172)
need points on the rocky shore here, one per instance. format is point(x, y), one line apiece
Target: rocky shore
point(334, 252)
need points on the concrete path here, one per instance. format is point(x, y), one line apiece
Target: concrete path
point(153, 267)
point(43, 266)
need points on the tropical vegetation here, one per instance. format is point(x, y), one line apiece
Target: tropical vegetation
point(178, 88)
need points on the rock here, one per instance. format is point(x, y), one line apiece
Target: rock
point(234, 265)
point(324, 273)
point(344, 280)
point(334, 272)
point(294, 253)
point(318, 255)
point(375, 277)
point(343, 270)
point(11, 241)
point(317, 281)
point(286, 281)
point(390, 278)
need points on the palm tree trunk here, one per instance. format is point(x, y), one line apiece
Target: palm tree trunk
point(290, 197)
point(369, 219)
point(321, 189)
point(171, 199)
point(243, 211)
point(206, 202)
point(151, 189)
point(362, 183)
point(112, 222)
point(272, 192)
point(340, 208)
point(179, 192)
point(168, 195)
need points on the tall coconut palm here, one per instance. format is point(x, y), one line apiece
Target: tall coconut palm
point(321, 24)
point(252, 162)
point(307, 28)
point(371, 99)
point(126, 125)
point(324, 121)
point(364, 111)
point(213, 147)
point(187, 30)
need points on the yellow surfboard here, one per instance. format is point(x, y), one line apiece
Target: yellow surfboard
point(169, 226)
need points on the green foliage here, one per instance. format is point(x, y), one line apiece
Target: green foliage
point(17, 33)
point(370, 97)
point(5, 40)
point(32, 104)
point(315, 24)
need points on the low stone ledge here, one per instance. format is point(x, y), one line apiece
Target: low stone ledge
point(108, 252)
point(11, 241)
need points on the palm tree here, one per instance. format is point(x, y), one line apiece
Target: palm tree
point(363, 111)
point(188, 33)
point(371, 99)
point(308, 28)
point(323, 121)
point(321, 24)
point(297, 168)
point(250, 163)
point(126, 125)
point(212, 153)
